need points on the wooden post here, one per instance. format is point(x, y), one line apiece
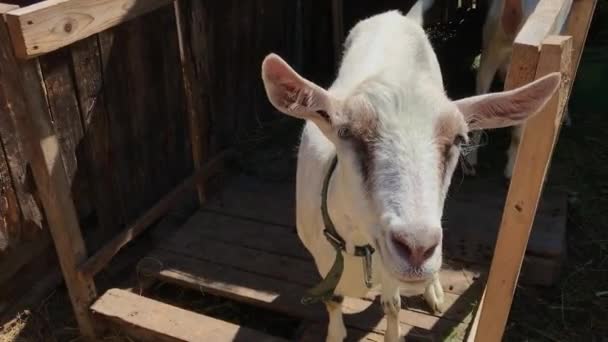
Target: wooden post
point(21, 84)
point(194, 105)
point(533, 158)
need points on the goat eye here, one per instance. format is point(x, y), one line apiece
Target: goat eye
point(344, 133)
point(458, 140)
point(323, 114)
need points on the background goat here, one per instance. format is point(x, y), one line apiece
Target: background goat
point(504, 20)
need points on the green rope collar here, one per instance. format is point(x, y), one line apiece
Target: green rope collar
point(324, 291)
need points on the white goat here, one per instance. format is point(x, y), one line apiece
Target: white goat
point(397, 138)
point(504, 20)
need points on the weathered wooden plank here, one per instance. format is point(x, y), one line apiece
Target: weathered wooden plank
point(118, 89)
point(533, 158)
point(176, 142)
point(10, 213)
point(88, 78)
point(52, 24)
point(66, 119)
point(151, 320)
point(137, 76)
point(22, 87)
point(31, 216)
point(548, 18)
point(283, 296)
point(101, 258)
point(197, 111)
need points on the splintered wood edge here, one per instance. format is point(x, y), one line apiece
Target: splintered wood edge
point(53, 24)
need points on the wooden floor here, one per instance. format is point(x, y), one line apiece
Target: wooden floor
point(243, 246)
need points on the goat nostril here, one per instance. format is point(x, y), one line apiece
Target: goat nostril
point(429, 252)
point(402, 247)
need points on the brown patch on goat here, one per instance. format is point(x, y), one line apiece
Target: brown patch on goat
point(447, 129)
point(362, 127)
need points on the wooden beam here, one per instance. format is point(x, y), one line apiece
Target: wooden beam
point(4, 7)
point(150, 320)
point(194, 104)
point(22, 86)
point(98, 261)
point(52, 24)
point(548, 18)
point(533, 158)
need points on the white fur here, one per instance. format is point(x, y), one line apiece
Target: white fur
point(390, 70)
point(497, 46)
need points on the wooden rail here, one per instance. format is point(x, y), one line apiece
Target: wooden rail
point(53, 24)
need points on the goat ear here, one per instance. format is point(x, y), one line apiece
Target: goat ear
point(292, 94)
point(508, 108)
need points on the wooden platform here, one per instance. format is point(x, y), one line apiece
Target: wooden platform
point(243, 246)
point(127, 309)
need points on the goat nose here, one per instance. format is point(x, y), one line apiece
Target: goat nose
point(416, 249)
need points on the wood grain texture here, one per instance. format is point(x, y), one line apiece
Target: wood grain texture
point(533, 158)
point(22, 236)
point(548, 18)
point(151, 320)
point(190, 41)
point(97, 157)
point(52, 24)
point(30, 213)
point(61, 94)
point(10, 213)
point(145, 104)
point(23, 90)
